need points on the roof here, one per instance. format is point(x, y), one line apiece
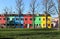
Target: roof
point(27, 14)
point(36, 15)
point(24, 15)
point(12, 14)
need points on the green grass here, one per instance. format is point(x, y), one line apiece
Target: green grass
point(17, 33)
point(21, 29)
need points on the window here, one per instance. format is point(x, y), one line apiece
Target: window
point(39, 19)
point(12, 24)
point(25, 18)
point(43, 24)
point(34, 19)
point(7, 24)
point(21, 18)
point(30, 24)
point(48, 24)
point(12, 18)
point(3, 24)
point(43, 19)
point(17, 18)
point(25, 24)
point(21, 24)
point(0, 18)
point(4, 18)
point(30, 18)
point(0, 15)
point(16, 24)
point(36, 24)
point(8, 19)
point(49, 19)
point(39, 24)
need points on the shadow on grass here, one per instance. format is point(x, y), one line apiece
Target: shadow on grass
point(40, 33)
point(6, 38)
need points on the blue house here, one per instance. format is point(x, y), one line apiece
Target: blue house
point(18, 21)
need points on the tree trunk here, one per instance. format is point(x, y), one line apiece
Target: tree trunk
point(19, 18)
point(46, 19)
point(59, 21)
point(6, 18)
point(59, 14)
point(46, 12)
point(33, 19)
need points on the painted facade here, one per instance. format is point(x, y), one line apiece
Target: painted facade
point(19, 20)
point(28, 21)
point(49, 22)
point(10, 18)
point(43, 21)
point(2, 20)
point(43, 18)
point(37, 21)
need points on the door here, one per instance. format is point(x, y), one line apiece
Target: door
point(27, 25)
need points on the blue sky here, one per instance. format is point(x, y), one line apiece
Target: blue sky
point(12, 4)
point(7, 3)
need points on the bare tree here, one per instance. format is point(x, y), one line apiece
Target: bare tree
point(33, 7)
point(10, 10)
point(59, 13)
point(20, 8)
point(49, 8)
point(6, 12)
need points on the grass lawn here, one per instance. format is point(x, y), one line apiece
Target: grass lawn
point(29, 34)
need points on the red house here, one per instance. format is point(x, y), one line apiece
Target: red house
point(2, 19)
point(28, 21)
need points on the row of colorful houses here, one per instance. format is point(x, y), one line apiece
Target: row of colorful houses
point(25, 20)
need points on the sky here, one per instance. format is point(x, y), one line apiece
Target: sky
point(12, 4)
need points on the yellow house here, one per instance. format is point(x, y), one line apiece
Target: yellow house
point(49, 21)
point(43, 23)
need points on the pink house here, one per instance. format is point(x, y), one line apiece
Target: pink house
point(2, 20)
point(28, 21)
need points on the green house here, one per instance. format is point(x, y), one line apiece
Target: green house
point(10, 19)
point(37, 21)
